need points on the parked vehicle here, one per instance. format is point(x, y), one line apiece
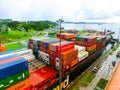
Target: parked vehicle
point(118, 54)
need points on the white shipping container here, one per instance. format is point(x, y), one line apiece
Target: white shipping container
point(80, 48)
point(29, 57)
point(21, 53)
point(57, 63)
point(25, 52)
point(44, 57)
point(82, 55)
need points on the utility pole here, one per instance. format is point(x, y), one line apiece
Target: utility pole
point(60, 64)
point(118, 35)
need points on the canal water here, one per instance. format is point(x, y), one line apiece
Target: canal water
point(100, 27)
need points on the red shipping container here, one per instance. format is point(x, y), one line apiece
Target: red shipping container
point(30, 40)
point(66, 59)
point(65, 47)
point(53, 60)
point(10, 60)
point(42, 76)
point(28, 88)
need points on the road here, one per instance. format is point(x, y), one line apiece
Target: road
point(105, 71)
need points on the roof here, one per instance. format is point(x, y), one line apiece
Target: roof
point(114, 83)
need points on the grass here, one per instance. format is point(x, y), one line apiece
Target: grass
point(16, 35)
point(14, 46)
point(113, 49)
point(102, 83)
point(110, 53)
point(83, 32)
point(76, 88)
point(84, 82)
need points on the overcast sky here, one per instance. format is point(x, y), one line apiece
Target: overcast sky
point(71, 10)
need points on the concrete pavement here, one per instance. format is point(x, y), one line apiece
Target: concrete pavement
point(105, 71)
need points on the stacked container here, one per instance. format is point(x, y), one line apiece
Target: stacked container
point(101, 40)
point(87, 41)
point(68, 59)
point(68, 55)
point(66, 36)
point(99, 43)
point(82, 54)
point(34, 43)
point(44, 52)
point(42, 78)
point(14, 73)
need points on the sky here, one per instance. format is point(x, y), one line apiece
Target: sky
point(69, 10)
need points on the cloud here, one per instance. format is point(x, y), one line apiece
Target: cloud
point(71, 10)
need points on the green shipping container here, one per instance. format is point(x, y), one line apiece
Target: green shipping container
point(9, 81)
point(92, 51)
point(99, 40)
point(79, 38)
point(104, 41)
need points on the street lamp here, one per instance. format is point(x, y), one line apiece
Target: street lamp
point(60, 64)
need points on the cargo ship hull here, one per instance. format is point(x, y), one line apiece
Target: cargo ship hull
point(77, 70)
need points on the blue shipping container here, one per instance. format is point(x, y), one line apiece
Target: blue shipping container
point(52, 41)
point(14, 67)
point(8, 52)
point(8, 57)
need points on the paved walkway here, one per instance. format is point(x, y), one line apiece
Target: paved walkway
point(105, 71)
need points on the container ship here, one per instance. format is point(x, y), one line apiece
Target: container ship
point(37, 68)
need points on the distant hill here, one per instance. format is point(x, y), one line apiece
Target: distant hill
point(5, 20)
point(85, 22)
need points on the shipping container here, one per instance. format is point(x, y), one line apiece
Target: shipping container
point(66, 59)
point(79, 38)
point(82, 55)
point(25, 52)
point(28, 88)
point(14, 79)
point(42, 76)
point(89, 48)
point(12, 66)
point(34, 43)
point(52, 46)
point(7, 52)
point(44, 57)
point(90, 39)
point(2, 48)
point(4, 57)
point(64, 47)
point(46, 43)
point(80, 48)
point(92, 51)
point(21, 85)
point(99, 40)
point(29, 57)
point(66, 35)
point(74, 62)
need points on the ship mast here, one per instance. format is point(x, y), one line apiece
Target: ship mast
point(60, 64)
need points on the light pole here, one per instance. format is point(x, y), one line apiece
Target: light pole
point(60, 64)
